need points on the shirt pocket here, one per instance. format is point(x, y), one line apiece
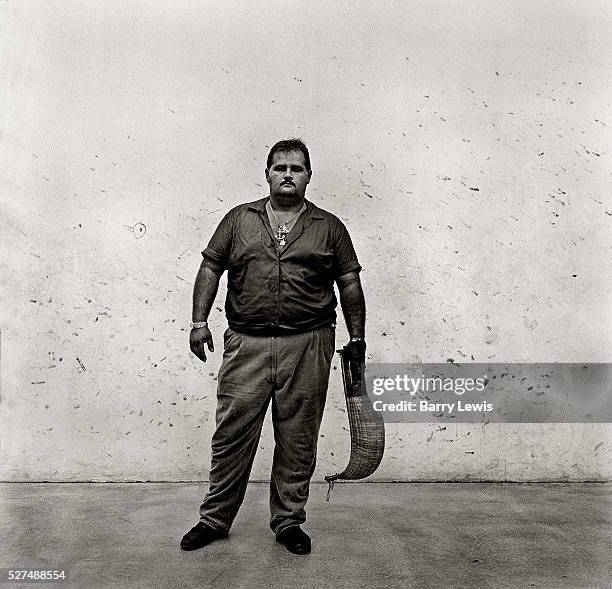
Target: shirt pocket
point(320, 265)
point(247, 247)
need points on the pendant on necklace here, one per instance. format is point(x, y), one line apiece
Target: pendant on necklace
point(281, 234)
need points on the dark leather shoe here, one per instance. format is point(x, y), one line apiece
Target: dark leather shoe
point(199, 536)
point(295, 540)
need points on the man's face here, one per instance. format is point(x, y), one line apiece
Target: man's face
point(288, 176)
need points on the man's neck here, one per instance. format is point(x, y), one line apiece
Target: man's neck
point(286, 207)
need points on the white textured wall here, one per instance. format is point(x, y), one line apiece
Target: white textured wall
point(465, 144)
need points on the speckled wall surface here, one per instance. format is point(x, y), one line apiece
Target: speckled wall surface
point(464, 144)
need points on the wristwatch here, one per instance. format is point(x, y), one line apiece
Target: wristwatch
point(198, 324)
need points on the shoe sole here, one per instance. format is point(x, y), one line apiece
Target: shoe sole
point(299, 551)
point(188, 548)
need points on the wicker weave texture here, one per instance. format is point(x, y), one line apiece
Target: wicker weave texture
point(367, 437)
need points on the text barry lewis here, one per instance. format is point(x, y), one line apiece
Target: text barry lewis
point(426, 406)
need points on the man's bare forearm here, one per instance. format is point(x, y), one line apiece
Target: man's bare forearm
point(204, 293)
point(353, 303)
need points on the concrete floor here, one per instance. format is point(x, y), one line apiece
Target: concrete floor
point(369, 535)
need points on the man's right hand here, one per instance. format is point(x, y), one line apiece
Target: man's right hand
point(198, 339)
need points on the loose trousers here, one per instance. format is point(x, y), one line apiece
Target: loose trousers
point(292, 371)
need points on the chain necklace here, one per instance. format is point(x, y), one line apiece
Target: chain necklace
point(284, 227)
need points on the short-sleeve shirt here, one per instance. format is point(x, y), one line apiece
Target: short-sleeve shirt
point(271, 292)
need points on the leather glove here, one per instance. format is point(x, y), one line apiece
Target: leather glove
point(355, 351)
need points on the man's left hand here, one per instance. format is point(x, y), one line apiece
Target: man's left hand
point(355, 350)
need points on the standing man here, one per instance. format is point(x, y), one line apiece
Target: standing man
point(283, 255)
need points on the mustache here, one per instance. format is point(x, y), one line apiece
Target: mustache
point(287, 182)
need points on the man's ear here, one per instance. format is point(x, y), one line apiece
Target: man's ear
point(309, 176)
point(267, 175)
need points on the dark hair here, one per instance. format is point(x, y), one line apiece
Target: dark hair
point(293, 144)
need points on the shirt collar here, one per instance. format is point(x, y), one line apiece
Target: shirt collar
point(311, 210)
